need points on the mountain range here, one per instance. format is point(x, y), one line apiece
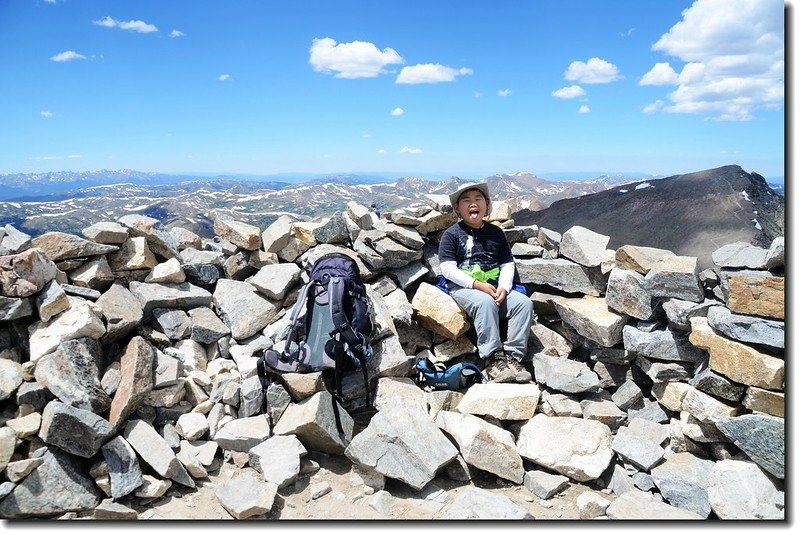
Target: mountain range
point(190, 202)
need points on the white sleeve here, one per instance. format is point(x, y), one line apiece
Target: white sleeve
point(451, 272)
point(506, 278)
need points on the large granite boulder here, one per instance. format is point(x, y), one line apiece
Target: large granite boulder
point(577, 448)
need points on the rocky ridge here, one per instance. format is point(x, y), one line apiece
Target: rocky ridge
point(127, 362)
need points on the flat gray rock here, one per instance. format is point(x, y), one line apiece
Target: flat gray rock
point(173, 323)
point(76, 431)
point(682, 479)
point(244, 496)
point(748, 329)
point(57, 486)
point(679, 311)
point(639, 505)
point(740, 490)
point(106, 232)
point(761, 437)
point(313, 422)
point(626, 294)
point(562, 274)
point(10, 378)
point(26, 273)
point(640, 443)
point(14, 308)
point(483, 445)
point(123, 467)
point(675, 276)
point(159, 241)
point(71, 374)
point(122, 312)
point(565, 375)
point(277, 459)
point(242, 308)
point(243, 434)
point(59, 246)
point(275, 280)
point(396, 448)
point(161, 295)
point(583, 246)
point(663, 345)
point(740, 255)
point(476, 503)
point(153, 450)
point(577, 448)
point(544, 485)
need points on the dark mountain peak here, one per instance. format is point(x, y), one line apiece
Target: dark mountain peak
point(691, 214)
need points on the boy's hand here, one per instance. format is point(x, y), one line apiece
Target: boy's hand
point(485, 287)
point(500, 296)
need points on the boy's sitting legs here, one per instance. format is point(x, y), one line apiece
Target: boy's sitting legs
point(518, 309)
point(485, 315)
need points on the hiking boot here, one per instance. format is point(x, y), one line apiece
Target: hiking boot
point(521, 375)
point(497, 369)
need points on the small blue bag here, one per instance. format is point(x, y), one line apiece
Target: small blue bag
point(456, 377)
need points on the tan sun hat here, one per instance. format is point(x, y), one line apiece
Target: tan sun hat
point(483, 187)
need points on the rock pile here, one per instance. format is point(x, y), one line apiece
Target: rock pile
point(128, 366)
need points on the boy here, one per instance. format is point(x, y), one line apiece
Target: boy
point(478, 272)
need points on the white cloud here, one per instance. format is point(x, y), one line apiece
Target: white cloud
point(224, 77)
point(409, 150)
point(381, 151)
point(628, 33)
point(477, 94)
point(594, 71)
point(176, 33)
point(50, 1)
point(654, 107)
point(584, 109)
point(429, 73)
point(74, 156)
point(46, 114)
point(734, 55)
point(660, 74)
point(52, 158)
point(572, 91)
point(366, 134)
point(67, 55)
point(504, 92)
point(139, 26)
point(397, 112)
point(358, 59)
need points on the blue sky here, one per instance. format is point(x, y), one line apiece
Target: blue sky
point(467, 88)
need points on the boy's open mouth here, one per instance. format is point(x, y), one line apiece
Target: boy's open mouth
point(474, 213)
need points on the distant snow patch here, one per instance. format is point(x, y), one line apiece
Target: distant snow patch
point(623, 191)
point(744, 194)
point(644, 185)
point(757, 224)
point(137, 208)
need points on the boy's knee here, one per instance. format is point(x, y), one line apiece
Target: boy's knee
point(484, 300)
point(523, 306)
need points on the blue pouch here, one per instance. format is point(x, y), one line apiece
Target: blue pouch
point(456, 377)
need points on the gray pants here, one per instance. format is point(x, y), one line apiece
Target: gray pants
point(485, 315)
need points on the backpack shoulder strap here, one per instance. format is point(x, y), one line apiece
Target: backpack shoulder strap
point(337, 288)
point(336, 291)
point(302, 297)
